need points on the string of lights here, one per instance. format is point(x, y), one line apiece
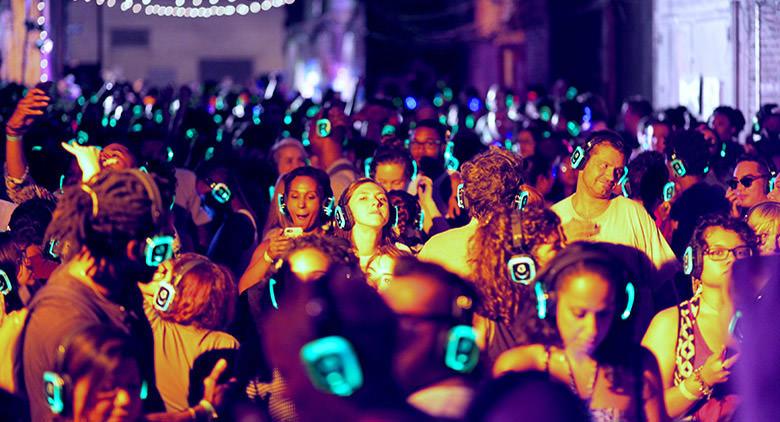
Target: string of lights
point(193, 8)
point(44, 43)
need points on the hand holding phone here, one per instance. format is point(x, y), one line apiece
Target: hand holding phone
point(292, 232)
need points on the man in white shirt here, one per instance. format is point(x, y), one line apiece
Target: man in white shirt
point(593, 214)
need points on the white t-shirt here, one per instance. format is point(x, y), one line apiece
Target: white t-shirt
point(625, 222)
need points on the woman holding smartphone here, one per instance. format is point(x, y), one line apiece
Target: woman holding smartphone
point(305, 207)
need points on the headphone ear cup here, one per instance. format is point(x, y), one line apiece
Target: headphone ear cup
point(55, 388)
point(343, 218)
point(461, 353)
point(578, 158)
point(281, 204)
point(541, 300)
point(332, 365)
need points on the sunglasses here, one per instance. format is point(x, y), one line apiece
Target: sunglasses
point(746, 181)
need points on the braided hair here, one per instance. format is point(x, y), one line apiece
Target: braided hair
point(103, 216)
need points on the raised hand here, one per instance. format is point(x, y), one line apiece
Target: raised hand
point(29, 108)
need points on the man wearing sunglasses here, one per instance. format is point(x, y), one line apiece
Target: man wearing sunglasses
point(749, 186)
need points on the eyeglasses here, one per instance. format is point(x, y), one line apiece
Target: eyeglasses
point(721, 254)
point(746, 181)
point(429, 144)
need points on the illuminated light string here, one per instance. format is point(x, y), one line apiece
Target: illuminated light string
point(44, 43)
point(196, 8)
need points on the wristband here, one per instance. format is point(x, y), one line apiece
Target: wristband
point(686, 392)
point(212, 413)
point(267, 258)
point(192, 413)
point(704, 389)
point(12, 138)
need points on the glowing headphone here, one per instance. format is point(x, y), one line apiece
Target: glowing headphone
point(323, 125)
point(5, 283)
point(58, 387)
point(460, 197)
point(220, 191)
point(669, 191)
point(521, 265)
point(543, 297)
point(461, 353)
point(330, 361)
point(166, 291)
point(678, 166)
point(625, 187)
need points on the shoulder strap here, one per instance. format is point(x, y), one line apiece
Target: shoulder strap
point(685, 348)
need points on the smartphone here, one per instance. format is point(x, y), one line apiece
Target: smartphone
point(292, 232)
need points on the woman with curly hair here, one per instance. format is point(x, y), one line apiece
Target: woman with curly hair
point(481, 250)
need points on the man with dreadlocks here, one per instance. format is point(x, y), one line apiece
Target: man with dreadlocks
point(108, 233)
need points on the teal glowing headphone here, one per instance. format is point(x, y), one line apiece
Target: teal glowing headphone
point(5, 283)
point(323, 125)
point(166, 291)
point(220, 191)
point(521, 265)
point(545, 300)
point(461, 353)
point(331, 362)
point(58, 386)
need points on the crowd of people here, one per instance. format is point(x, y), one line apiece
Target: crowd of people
point(242, 253)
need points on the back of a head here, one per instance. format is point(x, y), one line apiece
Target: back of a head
point(490, 181)
point(690, 147)
point(117, 207)
point(765, 217)
point(647, 175)
point(531, 394)
point(338, 316)
point(206, 293)
point(29, 220)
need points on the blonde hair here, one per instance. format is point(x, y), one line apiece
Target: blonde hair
point(765, 217)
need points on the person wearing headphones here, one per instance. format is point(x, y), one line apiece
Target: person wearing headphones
point(594, 213)
point(581, 336)
point(189, 305)
point(753, 180)
point(306, 206)
point(432, 305)
point(693, 341)
point(97, 377)
point(110, 236)
point(363, 216)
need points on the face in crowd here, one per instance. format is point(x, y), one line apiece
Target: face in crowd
point(303, 201)
point(603, 170)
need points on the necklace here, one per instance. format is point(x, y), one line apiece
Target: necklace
point(573, 380)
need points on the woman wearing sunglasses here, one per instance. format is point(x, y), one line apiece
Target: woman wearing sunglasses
point(696, 362)
point(753, 180)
